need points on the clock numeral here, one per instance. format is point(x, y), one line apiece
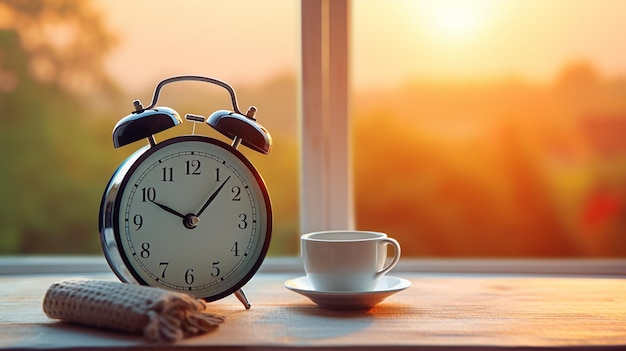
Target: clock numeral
point(235, 249)
point(138, 221)
point(217, 174)
point(189, 278)
point(243, 223)
point(168, 174)
point(148, 194)
point(236, 190)
point(215, 270)
point(164, 266)
point(193, 167)
point(145, 250)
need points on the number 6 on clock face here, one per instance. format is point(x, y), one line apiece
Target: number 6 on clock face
point(188, 214)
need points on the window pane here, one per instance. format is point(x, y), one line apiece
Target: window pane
point(491, 128)
point(69, 70)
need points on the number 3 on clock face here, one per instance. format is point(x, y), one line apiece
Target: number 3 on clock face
point(189, 214)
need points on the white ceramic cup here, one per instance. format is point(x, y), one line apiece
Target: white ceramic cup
point(347, 260)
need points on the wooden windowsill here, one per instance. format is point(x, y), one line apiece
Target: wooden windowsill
point(508, 303)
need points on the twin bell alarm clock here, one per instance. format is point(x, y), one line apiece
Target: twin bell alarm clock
point(191, 213)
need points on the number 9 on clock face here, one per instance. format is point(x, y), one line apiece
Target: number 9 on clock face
point(189, 214)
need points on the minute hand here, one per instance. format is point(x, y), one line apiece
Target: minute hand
point(212, 197)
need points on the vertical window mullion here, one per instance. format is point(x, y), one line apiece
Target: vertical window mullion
point(326, 164)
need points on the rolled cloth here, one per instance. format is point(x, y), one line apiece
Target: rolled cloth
point(157, 314)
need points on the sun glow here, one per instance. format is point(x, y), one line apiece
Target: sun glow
point(454, 19)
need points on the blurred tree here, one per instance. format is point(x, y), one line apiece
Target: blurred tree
point(62, 43)
point(51, 55)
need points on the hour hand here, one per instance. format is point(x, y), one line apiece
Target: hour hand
point(170, 210)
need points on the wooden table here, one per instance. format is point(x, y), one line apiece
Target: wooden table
point(467, 311)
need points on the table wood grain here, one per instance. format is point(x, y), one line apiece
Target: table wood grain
point(464, 311)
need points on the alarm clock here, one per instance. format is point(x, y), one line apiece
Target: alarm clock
point(191, 213)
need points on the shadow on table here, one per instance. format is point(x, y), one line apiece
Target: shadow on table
point(308, 321)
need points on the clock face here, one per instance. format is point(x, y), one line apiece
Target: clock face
point(191, 214)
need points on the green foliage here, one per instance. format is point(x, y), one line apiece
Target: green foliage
point(49, 160)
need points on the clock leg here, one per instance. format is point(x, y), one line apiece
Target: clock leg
point(241, 296)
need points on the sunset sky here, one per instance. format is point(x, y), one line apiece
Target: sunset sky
point(246, 42)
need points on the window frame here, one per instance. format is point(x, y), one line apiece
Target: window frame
point(326, 188)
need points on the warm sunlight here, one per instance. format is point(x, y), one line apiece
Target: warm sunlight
point(474, 40)
point(455, 18)
point(500, 124)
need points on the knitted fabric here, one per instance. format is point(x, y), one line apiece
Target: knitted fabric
point(159, 315)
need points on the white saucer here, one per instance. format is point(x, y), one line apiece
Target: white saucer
point(348, 300)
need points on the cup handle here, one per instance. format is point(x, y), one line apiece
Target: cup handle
point(396, 257)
